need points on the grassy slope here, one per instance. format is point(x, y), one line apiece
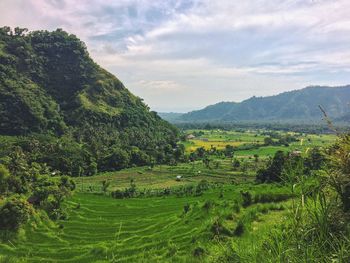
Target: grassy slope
point(136, 230)
point(165, 176)
point(155, 229)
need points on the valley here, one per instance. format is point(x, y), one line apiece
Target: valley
point(168, 219)
point(90, 173)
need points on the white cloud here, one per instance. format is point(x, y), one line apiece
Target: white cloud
point(182, 54)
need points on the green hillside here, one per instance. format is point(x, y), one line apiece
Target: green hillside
point(50, 89)
point(294, 106)
point(102, 229)
point(144, 192)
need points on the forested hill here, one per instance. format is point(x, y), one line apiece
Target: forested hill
point(294, 106)
point(50, 86)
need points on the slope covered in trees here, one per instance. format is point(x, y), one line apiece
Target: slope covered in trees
point(71, 114)
point(294, 106)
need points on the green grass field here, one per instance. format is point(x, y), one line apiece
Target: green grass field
point(142, 229)
point(220, 139)
point(165, 176)
point(157, 229)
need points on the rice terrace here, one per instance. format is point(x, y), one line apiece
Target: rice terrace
point(194, 218)
point(174, 131)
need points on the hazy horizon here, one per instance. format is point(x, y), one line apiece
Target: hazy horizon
point(184, 55)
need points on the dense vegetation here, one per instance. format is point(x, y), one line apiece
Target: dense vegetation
point(69, 113)
point(278, 204)
point(217, 196)
point(243, 126)
point(27, 189)
point(299, 106)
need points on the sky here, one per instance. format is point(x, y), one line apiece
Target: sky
point(181, 55)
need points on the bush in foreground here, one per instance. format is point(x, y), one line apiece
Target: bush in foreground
point(15, 212)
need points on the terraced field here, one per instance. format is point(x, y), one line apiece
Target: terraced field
point(220, 139)
point(164, 176)
point(102, 229)
point(167, 228)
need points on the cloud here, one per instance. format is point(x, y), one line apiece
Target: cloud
point(179, 54)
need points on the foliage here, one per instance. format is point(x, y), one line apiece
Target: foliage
point(339, 177)
point(15, 212)
point(74, 116)
point(27, 186)
point(4, 175)
point(318, 226)
point(273, 171)
point(187, 190)
point(246, 198)
point(239, 230)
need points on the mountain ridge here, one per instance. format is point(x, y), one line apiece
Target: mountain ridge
point(291, 106)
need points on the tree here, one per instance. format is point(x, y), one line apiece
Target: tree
point(273, 171)
point(236, 164)
point(14, 213)
point(256, 158)
point(201, 152)
point(268, 141)
point(105, 185)
point(92, 168)
point(229, 151)
point(120, 159)
point(315, 159)
point(206, 162)
point(244, 166)
point(20, 31)
point(4, 175)
point(339, 177)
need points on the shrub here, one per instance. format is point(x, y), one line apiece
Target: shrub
point(246, 198)
point(340, 169)
point(251, 215)
point(271, 197)
point(105, 185)
point(173, 249)
point(208, 205)
point(236, 207)
point(15, 212)
point(262, 209)
point(187, 208)
point(198, 252)
point(4, 175)
point(118, 194)
point(240, 228)
point(202, 186)
point(52, 206)
point(276, 207)
point(66, 184)
point(58, 213)
point(218, 229)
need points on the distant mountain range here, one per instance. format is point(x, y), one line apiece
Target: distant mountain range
point(290, 107)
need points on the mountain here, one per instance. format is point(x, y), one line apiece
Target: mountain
point(50, 85)
point(294, 106)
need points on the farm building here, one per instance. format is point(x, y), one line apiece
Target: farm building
point(296, 153)
point(190, 136)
